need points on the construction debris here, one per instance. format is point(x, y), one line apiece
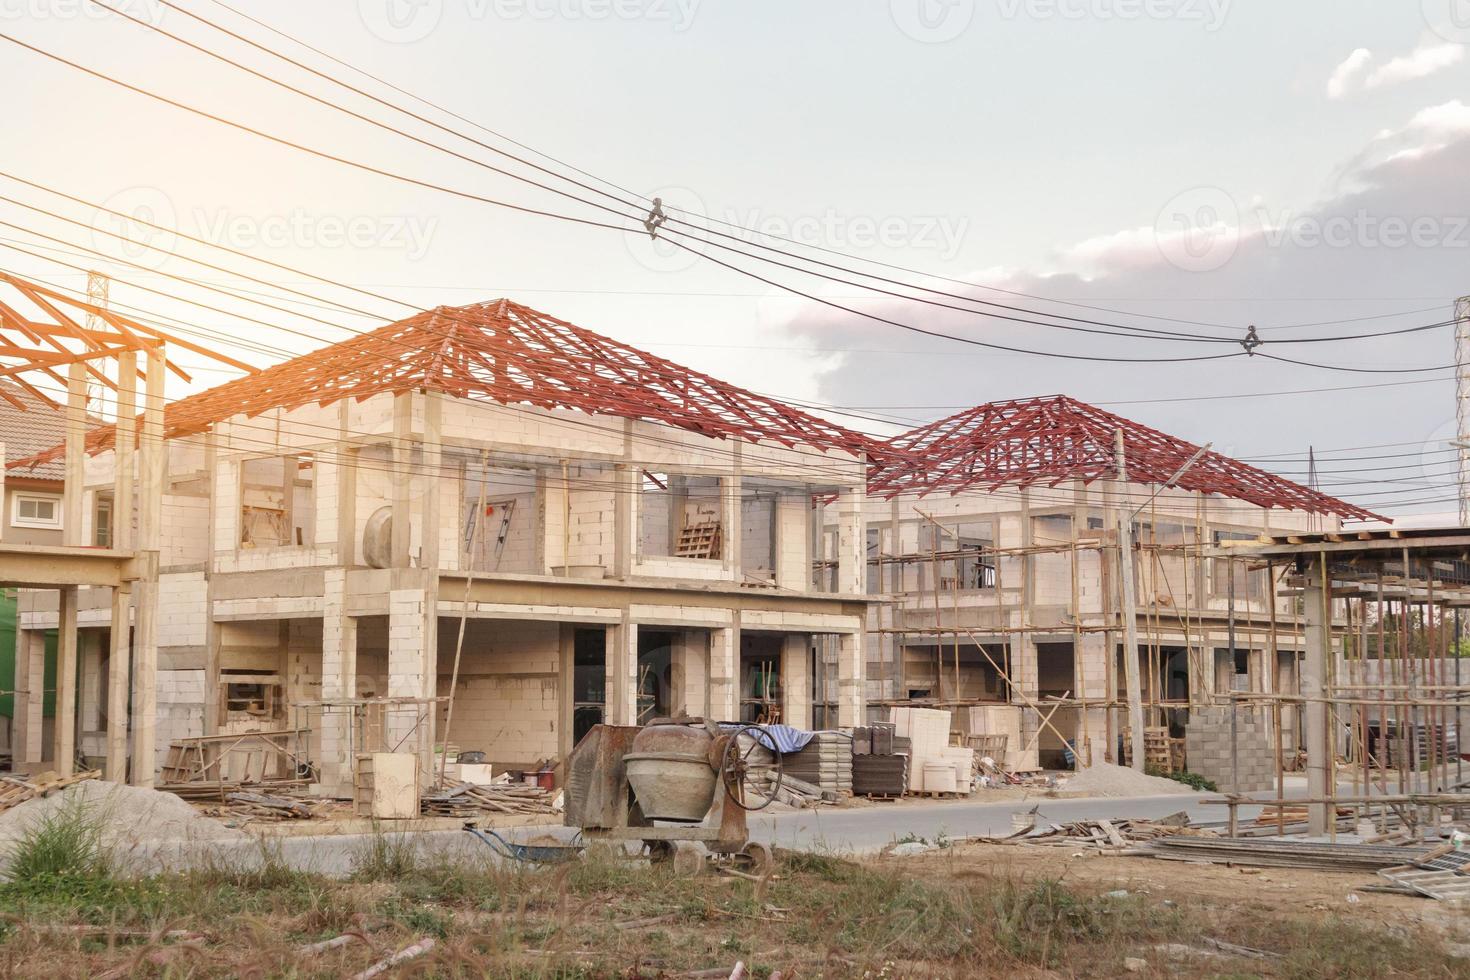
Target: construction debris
point(1116, 834)
point(457, 799)
point(15, 790)
point(1442, 874)
point(270, 807)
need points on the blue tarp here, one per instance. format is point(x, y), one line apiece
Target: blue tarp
point(781, 738)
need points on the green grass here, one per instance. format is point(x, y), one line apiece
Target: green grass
point(818, 915)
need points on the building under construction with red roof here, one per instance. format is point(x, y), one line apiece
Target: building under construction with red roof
point(996, 535)
point(483, 526)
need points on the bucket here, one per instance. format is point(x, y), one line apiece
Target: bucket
point(546, 778)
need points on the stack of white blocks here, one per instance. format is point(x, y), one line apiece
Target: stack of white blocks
point(928, 732)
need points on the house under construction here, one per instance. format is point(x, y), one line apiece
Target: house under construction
point(481, 526)
point(995, 534)
point(488, 528)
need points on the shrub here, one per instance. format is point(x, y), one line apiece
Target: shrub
point(63, 852)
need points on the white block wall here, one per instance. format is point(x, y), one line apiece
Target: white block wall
point(506, 703)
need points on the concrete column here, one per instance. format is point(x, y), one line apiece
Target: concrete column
point(622, 674)
point(1314, 671)
point(796, 680)
point(625, 519)
point(852, 558)
point(793, 539)
point(124, 443)
point(851, 683)
point(64, 732)
point(152, 472)
point(30, 671)
point(432, 454)
point(73, 494)
point(690, 674)
point(411, 667)
point(732, 493)
point(89, 684)
point(119, 671)
point(402, 480)
point(724, 668)
point(339, 680)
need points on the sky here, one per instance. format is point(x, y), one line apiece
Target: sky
point(1193, 167)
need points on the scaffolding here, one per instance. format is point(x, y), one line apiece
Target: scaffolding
point(1384, 689)
point(1200, 607)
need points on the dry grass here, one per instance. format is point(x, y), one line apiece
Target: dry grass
point(817, 916)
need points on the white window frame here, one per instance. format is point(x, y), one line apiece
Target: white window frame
point(17, 521)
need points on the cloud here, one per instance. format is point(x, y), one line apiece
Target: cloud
point(1422, 62)
point(1387, 250)
point(1353, 74)
point(1345, 75)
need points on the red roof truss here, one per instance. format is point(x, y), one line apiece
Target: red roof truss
point(1048, 441)
point(507, 353)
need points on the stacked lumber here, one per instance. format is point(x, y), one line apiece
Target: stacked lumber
point(219, 792)
point(824, 762)
point(1279, 853)
point(1117, 834)
point(15, 790)
point(263, 806)
point(457, 799)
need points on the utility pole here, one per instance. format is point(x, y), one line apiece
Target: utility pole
point(1462, 402)
point(1128, 603)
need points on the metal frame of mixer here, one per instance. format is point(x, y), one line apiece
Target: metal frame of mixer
point(601, 803)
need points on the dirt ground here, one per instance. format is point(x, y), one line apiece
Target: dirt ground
point(1264, 893)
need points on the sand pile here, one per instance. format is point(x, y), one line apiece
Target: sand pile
point(1116, 781)
point(130, 815)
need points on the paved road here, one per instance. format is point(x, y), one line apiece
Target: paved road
point(870, 828)
point(844, 831)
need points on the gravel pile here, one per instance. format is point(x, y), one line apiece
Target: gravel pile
point(1117, 781)
point(131, 815)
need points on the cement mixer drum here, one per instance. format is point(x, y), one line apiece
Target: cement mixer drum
point(671, 773)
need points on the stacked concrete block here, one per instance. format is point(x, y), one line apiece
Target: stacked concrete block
point(1207, 746)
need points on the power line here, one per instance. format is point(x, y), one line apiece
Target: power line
point(1148, 332)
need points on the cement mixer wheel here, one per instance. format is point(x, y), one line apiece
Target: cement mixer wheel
point(736, 770)
point(757, 858)
point(685, 857)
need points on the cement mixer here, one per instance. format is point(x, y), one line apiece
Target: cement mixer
point(671, 784)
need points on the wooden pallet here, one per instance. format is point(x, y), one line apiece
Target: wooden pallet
point(699, 541)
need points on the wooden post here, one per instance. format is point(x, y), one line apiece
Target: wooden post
point(1130, 617)
point(153, 462)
